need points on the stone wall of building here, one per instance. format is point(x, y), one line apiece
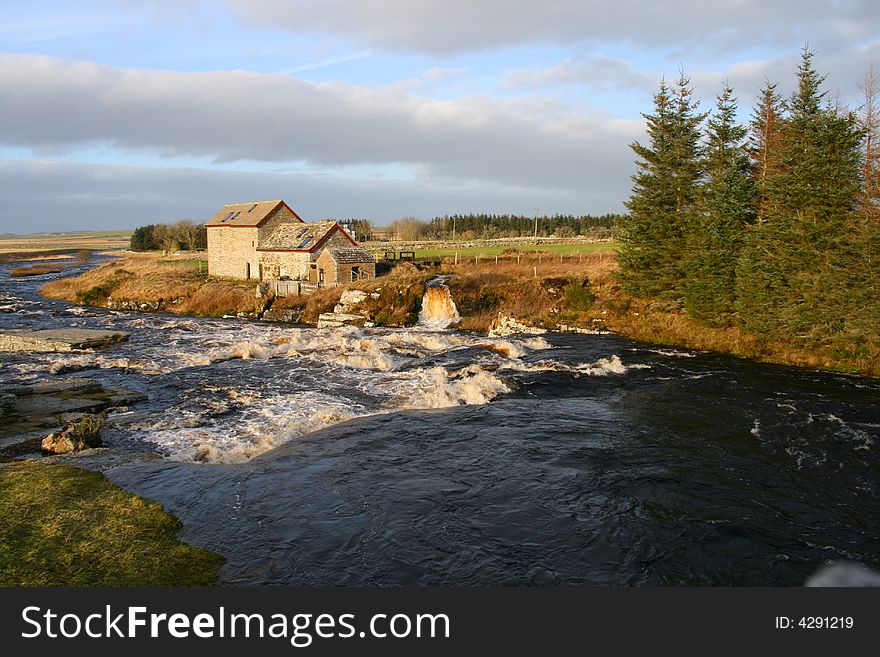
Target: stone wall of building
point(232, 252)
point(337, 239)
point(284, 263)
point(340, 273)
point(327, 265)
point(280, 216)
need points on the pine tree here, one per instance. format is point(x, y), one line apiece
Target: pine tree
point(142, 239)
point(664, 196)
point(794, 264)
point(765, 142)
point(728, 205)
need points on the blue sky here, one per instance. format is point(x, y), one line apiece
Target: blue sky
point(115, 114)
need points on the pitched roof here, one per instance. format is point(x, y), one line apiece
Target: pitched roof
point(352, 256)
point(245, 214)
point(297, 237)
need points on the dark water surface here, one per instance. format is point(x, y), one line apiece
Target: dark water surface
point(417, 457)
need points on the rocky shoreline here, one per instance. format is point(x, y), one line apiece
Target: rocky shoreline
point(30, 412)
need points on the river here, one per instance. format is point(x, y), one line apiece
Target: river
point(376, 457)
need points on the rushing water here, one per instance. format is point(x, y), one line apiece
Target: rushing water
point(438, 307)
point(386, 457)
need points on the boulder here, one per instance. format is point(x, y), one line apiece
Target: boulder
point(505, 325)
point(75, 436)
point(353, 297)
point(52, 340)
point(335, 320)
point(282, 315)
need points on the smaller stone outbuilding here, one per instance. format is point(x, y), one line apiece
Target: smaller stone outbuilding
point(337, 265)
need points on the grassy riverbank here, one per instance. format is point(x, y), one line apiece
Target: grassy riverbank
point(65, 526)
point(150, 282)
point(548, 290)
point(586, 294)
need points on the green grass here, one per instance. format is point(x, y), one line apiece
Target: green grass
point(64, 526)
point(485, 251)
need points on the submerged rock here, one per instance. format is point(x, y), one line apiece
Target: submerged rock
point(282, 315)
point(30, 410)
point(53, 340)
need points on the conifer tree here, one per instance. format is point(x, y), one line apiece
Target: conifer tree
point(727, 206)
point(794, 264)
point(765, 142)
point(664, 196)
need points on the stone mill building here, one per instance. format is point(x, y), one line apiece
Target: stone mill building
point(266, 240)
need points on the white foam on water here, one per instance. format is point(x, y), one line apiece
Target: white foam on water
point(382, 369)
point(673, 352)
point(435, 387)
point(601, 367)
point(264, 424)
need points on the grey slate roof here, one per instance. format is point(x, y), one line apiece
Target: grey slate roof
point(244, 214)
point(296, 237)
point(352, 256)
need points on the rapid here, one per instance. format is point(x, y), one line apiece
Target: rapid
point(435, 457)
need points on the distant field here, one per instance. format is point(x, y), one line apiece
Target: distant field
point(99, 239)
point(482, 251)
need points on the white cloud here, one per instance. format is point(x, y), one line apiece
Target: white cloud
point(596, 73)
point(452, 26)
point(46, 195)
point(51, 105)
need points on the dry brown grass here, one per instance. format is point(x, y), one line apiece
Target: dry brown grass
point(35, 270)
point(145, 278)
point(536, 292)
point(525, 291)
point(578, 291)
point(94, 240)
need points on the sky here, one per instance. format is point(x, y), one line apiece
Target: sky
point(115, 114)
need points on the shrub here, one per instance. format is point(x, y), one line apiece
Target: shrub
point(579, 297)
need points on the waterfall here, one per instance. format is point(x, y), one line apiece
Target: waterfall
point(438, 308)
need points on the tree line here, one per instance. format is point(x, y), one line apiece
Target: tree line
point(490, 226)
point(184, 234)
point(773, 226)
